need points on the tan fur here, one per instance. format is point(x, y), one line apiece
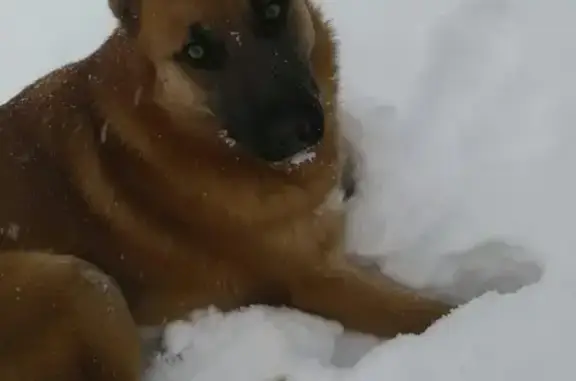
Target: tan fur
point(114, 165)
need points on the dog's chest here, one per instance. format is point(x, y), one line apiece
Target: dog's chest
point(312, 234)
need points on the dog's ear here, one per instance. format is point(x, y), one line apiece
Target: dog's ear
point(127, 12)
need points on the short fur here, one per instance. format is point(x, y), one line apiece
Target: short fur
point(121, 205)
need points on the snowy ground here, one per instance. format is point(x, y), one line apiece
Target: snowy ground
point(465, 112)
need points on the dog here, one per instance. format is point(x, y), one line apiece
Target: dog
point(194, 159)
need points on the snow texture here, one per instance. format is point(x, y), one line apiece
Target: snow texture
point(464, 113)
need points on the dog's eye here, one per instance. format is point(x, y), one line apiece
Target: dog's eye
point(270, 16)
point(273, 11)
point(195, 51)
point(203, 51)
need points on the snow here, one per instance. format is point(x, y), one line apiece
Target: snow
point(463, 112)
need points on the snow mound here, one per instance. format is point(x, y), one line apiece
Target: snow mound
point(521, 336)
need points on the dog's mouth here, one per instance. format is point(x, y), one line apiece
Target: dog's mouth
point(284, 142)
point(306, 155)
point(301, 158)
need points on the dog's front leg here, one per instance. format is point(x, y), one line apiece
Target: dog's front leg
point(63, 319)
point(364, 301)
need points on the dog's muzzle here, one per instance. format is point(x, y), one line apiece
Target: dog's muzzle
point(272, 107)
point(285, 127)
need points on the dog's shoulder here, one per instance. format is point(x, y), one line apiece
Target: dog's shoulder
point(36, 195)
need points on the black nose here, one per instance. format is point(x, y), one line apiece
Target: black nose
point(291, 132)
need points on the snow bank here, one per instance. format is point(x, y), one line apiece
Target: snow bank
point(464, 113)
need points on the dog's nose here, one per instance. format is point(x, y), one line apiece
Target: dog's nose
point(309, 131)
point(293, 133)
point(300, 131)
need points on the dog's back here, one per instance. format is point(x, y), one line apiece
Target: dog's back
point(38, 207)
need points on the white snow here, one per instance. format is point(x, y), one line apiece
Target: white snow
point(465, 112)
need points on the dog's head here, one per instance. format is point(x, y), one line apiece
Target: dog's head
point(263, 69)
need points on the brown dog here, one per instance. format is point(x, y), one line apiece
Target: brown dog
point(154, 177)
